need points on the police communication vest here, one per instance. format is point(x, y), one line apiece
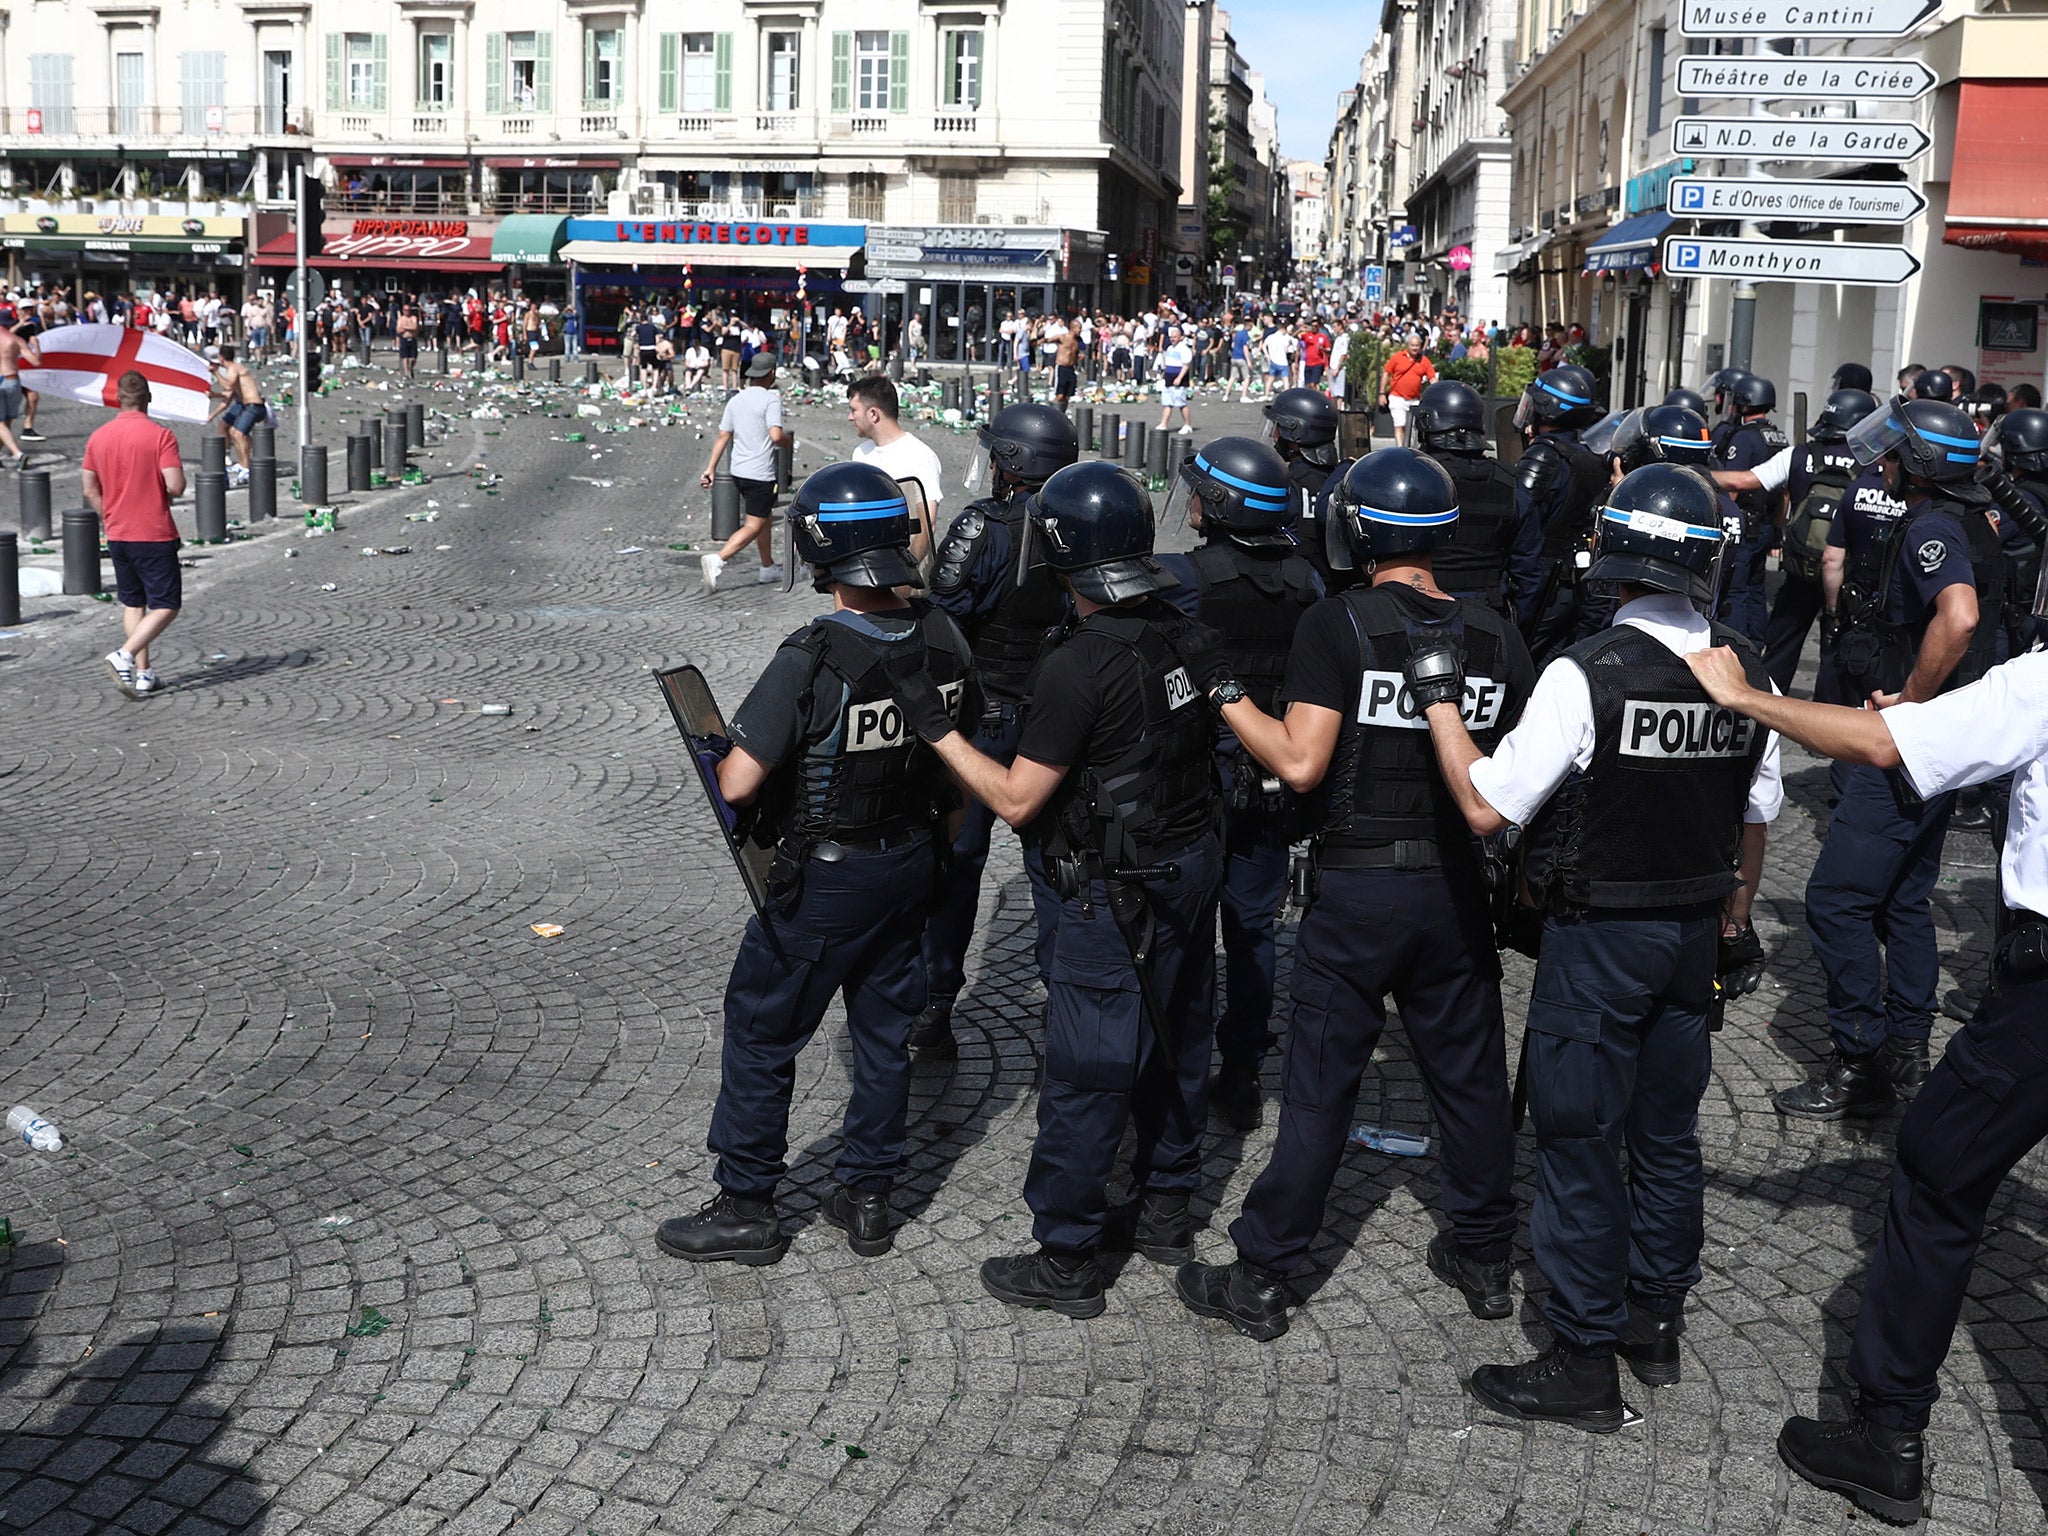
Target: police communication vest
point(1254, 598)
point(1655, 820)
point(1384, 783)
point(1008, 639)
point(1830, 467)
point(1126, 809)
point(1476, 558)
point(867, 777)
point(1566, 531)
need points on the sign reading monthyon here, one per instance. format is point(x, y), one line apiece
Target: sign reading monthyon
point(1809, 261)
point(1812, 202)
point(1767, 78)
point(1803, 18)
point(1798, 138)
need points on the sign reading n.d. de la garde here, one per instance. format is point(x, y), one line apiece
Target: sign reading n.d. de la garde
point(725, 232)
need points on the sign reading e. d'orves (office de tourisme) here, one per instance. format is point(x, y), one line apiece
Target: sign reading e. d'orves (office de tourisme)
point(1769, 78)
point(1799, 261)
point(1798, 138)
point(1803, 18)
point(1812, 202)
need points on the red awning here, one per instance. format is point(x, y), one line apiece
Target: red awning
point(548, 163)
point(393, 253)
point(397, 162)
point(1997, 196)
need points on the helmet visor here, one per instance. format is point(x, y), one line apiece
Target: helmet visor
point(1525, 410)
point(1879, 433)
point(1181, 499)
point(1603, 437)
point(981, 476)
point(1336, 520)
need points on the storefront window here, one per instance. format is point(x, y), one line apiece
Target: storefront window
point(975, 320)
point(946, 339)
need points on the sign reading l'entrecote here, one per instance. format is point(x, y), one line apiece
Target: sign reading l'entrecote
point(698, 232)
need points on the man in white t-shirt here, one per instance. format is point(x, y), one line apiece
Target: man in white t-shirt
point(1279, 350)
point(871, 410)
point(1176, 376)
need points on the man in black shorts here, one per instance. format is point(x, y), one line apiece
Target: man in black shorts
point(132, 470)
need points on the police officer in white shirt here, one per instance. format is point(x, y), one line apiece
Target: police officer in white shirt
point(1985, 1103)
point(1646, 807)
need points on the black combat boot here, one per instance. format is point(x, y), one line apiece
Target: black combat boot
point(1251, 1300)
point(1905, 1062)
point(931, 1037)
point(728, 1227)
point(1067, 1283)
point(863, 1215)
point(1851, 1086)
point(1583, 1391)
point(1235, 1095)
point(1650, 1346)
point(1485, 1284)
point(1878, 1469)
point(1157, 1224)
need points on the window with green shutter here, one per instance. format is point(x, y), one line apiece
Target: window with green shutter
point(723, 60)
point(337, 72)
point(494, 72)
point(544, 71)
point(602, 84)
point(380, 72)
point(669, 89)
point(899, 71)
point(842, 71)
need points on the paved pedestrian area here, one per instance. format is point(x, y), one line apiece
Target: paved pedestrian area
point(353, 1230)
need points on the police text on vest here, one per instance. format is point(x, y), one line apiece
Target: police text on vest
point(877, 725)
point(1652, 728)
point(1384, 699)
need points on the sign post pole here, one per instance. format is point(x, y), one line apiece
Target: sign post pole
point(302, 329)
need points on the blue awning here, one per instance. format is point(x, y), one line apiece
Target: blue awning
point(1630, 244)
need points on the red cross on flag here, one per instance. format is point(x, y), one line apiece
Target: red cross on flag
point(84, 362)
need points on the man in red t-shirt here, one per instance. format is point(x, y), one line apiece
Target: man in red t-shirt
point(1401, 383)
point(132, 470)
point(1315, 355)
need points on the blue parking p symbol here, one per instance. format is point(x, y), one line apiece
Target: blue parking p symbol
point(1692, 197)
point(1685, 254)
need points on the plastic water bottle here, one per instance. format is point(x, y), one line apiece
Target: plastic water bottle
point(34, 1129)
point(1392, 1143)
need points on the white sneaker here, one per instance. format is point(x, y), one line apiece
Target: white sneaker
point(1185, 432)
point(710, 566)
point(147, 683)
point(769, 573)
point(124, 669)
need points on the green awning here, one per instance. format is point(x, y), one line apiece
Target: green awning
point(530, 239)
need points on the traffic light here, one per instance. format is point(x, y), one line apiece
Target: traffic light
point(313, 360)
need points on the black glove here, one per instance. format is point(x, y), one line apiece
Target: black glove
point(1202, 652)
point(911, 686)
point(1435, 670)
point(1741, 962)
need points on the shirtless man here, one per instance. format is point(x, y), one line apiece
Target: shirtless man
point(16, 353)
point(241, 408)
point(409, 341)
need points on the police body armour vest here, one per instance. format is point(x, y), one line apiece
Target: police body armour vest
point(1476, 558)
point(1655, 820)
point(1254, 599)
point(868, 776)
point(1566, 532)
point(1385, 785)
point(1008, 640)
point(1128, 808)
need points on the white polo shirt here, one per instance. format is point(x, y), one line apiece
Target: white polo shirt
point(1997, 725)
point(1555, 734)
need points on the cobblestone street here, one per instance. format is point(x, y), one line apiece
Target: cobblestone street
point(353, 1228)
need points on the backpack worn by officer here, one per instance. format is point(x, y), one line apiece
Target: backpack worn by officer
point(1655, 820)
point(1007, 641)
point(1255, 600)
point(1475, 559)
point(868, 779)
point(1830, 469)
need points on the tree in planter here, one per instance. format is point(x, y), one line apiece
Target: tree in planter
point(1516, 370)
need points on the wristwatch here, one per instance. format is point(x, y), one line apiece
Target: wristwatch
point(1229, 691)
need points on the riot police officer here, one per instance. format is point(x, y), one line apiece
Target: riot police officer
point(1721, 390)
point(854, 805)
point(1479, 559)
point(1690, 399)
point(1115, 781)
point(1558, 481)
point(1815, 476)
point(1399, 898)
point(1905, 617)
point(1250, 583)
point(1850, 376)
point(1302, 426)
point(1934, 384)
point(1660, 434)
point(1754, 439)
point(2018, 443)
point(975, 579)
point(1646, 807)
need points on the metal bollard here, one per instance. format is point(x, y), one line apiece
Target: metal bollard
point(1084, 427)
point(415, 426)
point(590, 370)
point(35, 503)
point(518, 365)
point(1158, 461)
point(356, 455)
point(394, 451)
point(262, 443)
point(785, 465)
point(367, 427)
point(725, 504)
point(213, 455)
point(924, 378)
point(995, 394)
point(81, 552)
point(554, 370)
point(210, 506)
point(1134, 445)
point(262, 490)
point(10, 579)
point(363, 347)
point(1112, 435)
point(895, 367)
point(444, 357)
point(313, 474)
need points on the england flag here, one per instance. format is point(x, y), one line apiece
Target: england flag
point(84, 362)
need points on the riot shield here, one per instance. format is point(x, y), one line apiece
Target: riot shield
point(703, 727)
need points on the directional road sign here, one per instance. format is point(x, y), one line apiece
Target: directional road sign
point(1798, 138)
point(1812, 202)
point(1767, 77)
point(1797, 261)
point(1375, 284)
point(1803, 18)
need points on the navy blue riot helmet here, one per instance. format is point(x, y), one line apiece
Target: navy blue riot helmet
point(1450, 417)
point(1239, 487)
point(1662, 434)
point(1304, 421)
point(1845, 407)
point(1932, 440)
point(1691, 399)
point(1566, 396)
point(1752, 392)
point(851, 523)
point(1092, 525)
point(1933, 384)
point(1026, 441)
point(2019, 440)
point(1394, 501)
point(1661, 529)
point(1851, 376)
